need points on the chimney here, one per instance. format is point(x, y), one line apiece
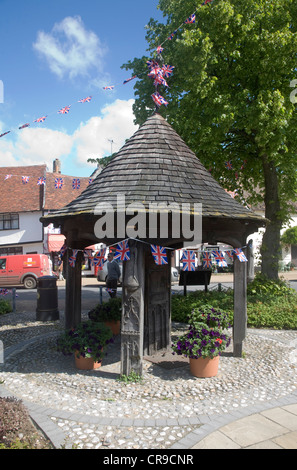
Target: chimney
point(56, 166)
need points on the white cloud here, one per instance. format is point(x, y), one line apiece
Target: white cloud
point(35, 146)
point(116, 124)
point(70, 49)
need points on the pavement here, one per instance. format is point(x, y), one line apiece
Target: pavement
point(269, 422)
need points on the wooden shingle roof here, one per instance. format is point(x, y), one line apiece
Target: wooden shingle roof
point(156, 165)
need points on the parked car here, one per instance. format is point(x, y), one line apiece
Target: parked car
point(174, 275)
point(23, 269)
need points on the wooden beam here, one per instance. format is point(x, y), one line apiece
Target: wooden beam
point(240, 310)
point(73, 291)
point(133, 311)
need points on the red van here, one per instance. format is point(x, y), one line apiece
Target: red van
point(23, 269)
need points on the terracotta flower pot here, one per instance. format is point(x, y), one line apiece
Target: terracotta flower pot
point(114, 325)
point(204, 367)
point(86, 363)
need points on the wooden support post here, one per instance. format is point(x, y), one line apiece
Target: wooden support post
point(133, 310)
point(240, 311)
point(73, 291)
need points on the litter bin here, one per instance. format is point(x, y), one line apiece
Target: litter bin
point(47, 299)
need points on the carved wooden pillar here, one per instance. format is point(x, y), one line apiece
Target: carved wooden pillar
point(240, 310)
point(133, 310)
point(73, 291)
point(157, 316)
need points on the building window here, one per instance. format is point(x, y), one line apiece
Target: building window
point(9, 221)
point(12, 250)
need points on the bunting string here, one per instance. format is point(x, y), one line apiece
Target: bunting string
point(159, 253)
point(157, 73)
point(41, 180)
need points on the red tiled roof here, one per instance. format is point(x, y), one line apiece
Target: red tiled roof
point(58, 198)
point(18, 197)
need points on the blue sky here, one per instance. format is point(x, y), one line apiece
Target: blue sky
point(52, 55)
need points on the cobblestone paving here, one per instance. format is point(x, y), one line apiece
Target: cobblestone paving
point(94, 409)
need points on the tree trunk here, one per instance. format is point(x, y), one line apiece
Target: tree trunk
point(270, 249)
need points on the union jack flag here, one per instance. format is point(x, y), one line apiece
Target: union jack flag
point(4, 291)
point(228, 165)
point(88, 252)
point(152, 63)
point(219, 257)
point(109, 290)
point(122, 251)
point(7, 177)
point(72, 259)
point(75, 183)
point(25, 179)
point(206, 260)
point(172, 35)
point(63, 250)
point(160, 49)
point(2, 135)
point(64, 110)
point(85, 100)
point(188, 260)
point(59, 183)
point(159, 80)
point(229, 253)
point(41, 119)
point(129, 79)
point(108, 87)
point(99, 257)
point(91, 180)
point(24, 125)
point(240, 255)
point(158, 99)
point(167, 70)
point(41, 180)
point(154, 72)
point(159, 254)
point(191, 19)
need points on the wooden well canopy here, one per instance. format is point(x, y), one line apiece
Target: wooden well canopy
point(155, 172)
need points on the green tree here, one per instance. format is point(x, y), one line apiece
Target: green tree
point(229, 98)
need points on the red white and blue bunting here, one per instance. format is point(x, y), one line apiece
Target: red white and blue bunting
point(159, 253)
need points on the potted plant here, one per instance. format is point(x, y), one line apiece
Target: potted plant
point(204, 341)
point(110, 313)
point(88, 342)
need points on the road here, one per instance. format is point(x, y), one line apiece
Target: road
point(26, 300)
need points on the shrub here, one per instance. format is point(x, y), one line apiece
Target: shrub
point(5, 306)
point(16, 428)
point(107, 311)
point(270, 304)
